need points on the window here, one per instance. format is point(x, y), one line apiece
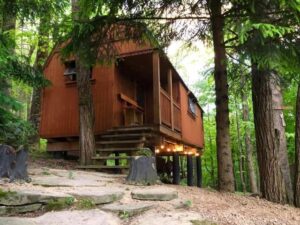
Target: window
point(192, 106)
point(70, 70)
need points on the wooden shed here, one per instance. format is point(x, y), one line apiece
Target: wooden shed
point(140, 101)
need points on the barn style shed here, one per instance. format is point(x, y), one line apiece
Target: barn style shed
point(140, 101)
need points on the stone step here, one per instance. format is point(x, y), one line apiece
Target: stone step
point(102, 167)
point(110, 157)
point(131, 209)
point(155, 194)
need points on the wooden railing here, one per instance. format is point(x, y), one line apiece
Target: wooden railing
point(177, 117)
point(165, 107)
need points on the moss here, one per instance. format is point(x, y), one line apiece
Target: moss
point(85, 204)
point(5, 194)
point(59, 204)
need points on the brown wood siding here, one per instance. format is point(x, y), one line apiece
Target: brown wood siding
point(59, 113)
point(127, 47)
point(192, 130)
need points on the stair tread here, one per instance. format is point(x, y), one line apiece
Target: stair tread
point(111, 157)
point(116, 149)
point(120, 142)
point(102, 167)
point(137, 128)
point(125, 135)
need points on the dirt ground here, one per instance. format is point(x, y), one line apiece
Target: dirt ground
point(193, 206)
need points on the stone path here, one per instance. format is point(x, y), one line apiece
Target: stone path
point(51, 186)
point(84, 217)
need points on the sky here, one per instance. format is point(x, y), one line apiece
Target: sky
point(191, 63)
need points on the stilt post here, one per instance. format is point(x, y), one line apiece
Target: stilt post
point(189, 170)
point(176, 168)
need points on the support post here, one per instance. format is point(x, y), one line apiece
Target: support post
point(199, 171)
point(156, 87)
point(189, 170)
point(170, 87)
point(176, 168)
point(117, 161)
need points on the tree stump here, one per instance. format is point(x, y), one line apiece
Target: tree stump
point(13, 164)
point(142, 171)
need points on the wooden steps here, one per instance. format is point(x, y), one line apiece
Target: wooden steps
point(118, 144)
point(114, 149)
point(125, 136)
point(111, 157)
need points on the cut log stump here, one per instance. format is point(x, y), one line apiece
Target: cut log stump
point(142, 171)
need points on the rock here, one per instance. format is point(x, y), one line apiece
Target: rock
point(85, 217)
point(30, 197)
point(99, 196)
point(155, 194)
point(2, 210)
point(20, 209)
point(56, 181)
point(16, 221)
point(131, 209)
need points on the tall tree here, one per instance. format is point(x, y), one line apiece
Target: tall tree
point(297, 151)
point(85, 98)
point(224, 154)
point(247, 136)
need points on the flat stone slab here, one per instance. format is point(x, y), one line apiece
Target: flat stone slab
point(5, 210)
point(131, 209)
point(99, 195)
point(12, 198)
point(56, 181)
point(155, 194)
point(78, 217)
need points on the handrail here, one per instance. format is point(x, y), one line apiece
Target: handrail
point(165, 93)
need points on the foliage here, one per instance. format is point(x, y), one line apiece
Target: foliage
point(124, 215)
point(59, 204)
point(85, 204)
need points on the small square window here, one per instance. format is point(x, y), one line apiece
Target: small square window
point(192, 106)
point(70, 70)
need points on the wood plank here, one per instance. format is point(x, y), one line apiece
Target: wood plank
point(156, 87)
point(130, 101)
point(110, 157)
point(170, 85)
point(120, 142)
point(126, 135)
point(117, 149)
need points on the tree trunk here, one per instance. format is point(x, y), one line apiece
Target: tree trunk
point(224, 154)
point(268, 139)
point(41, 56)
point(240, 149)
point(248, 143)
point(212, 171)
point(279, 126)
point(85, 101)
point(297, 151)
